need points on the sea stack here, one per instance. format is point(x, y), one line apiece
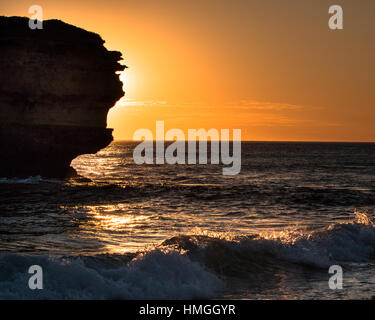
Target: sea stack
point(57, 85)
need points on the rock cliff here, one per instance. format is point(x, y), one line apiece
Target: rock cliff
point(57, 85)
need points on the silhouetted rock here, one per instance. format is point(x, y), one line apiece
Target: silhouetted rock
point(56, 87)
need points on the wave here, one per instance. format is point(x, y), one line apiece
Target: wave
point(341, 242)
point(156, 274)
point(191, 266)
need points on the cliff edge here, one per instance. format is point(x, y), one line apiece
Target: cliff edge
point(57, 85)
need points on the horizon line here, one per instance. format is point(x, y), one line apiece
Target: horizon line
point(299, 141)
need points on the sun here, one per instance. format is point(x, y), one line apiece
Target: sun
point(127, 77)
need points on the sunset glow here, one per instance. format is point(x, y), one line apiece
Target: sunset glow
point(269, 69)
point(187, 158)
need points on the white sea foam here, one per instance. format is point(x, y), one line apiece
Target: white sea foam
point(156, 274)
point(188, 267)
point(342, 242)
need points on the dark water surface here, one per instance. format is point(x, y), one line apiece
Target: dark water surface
point(187, 231)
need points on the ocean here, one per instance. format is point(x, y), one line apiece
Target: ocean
point(129, 231)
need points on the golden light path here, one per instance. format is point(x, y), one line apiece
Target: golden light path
point(111, 225)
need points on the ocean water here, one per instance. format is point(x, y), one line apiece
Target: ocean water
point(132, 231)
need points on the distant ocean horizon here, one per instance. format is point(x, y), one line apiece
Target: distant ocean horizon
point(266, 141)
point(127, 231)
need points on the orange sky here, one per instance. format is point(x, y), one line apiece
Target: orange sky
point(271, 68)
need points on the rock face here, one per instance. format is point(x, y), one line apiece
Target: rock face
point(57, 85)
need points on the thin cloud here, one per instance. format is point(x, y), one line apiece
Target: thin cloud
point(259, 105)
point(126, 102)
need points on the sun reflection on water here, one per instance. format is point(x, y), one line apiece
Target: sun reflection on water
point(118, 228)
point(112, 222)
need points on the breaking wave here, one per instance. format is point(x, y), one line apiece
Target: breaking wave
point(189, 266)
point(342, 242)
point(156, 274)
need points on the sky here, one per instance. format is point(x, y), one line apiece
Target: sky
point(271, 68)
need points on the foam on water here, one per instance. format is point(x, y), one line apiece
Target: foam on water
point(341, 242)
point(188, 267)
point(247, 226)
point(156, 274)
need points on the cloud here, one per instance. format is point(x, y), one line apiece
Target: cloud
point(126, 102)
point(241, 105)
point(260, 105)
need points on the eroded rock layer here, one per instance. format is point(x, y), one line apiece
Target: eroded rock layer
point(56, 87)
